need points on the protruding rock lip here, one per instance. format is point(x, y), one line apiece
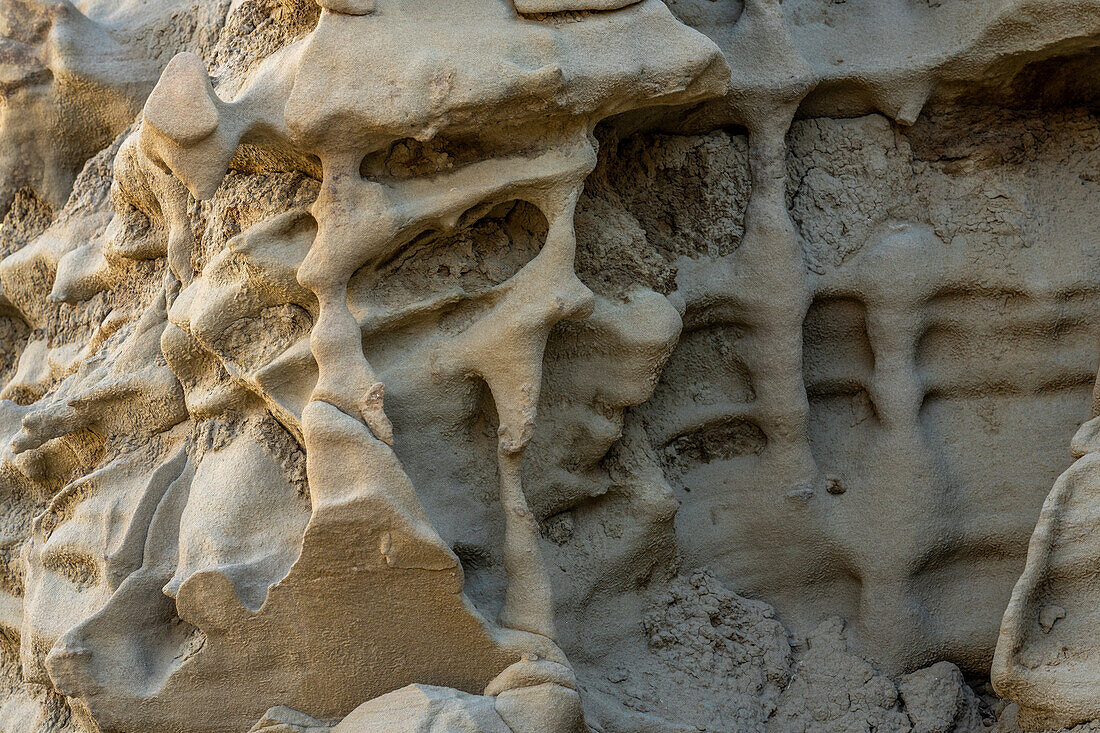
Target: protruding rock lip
point(177, 106)
point(446, 88)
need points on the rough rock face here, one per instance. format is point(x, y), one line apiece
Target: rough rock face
point(548, 366)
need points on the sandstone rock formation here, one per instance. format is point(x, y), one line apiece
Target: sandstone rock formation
point(547, 365)
point(1046, 652)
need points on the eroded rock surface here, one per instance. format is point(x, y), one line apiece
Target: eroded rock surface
point(547, 365)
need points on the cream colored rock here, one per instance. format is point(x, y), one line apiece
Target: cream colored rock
point(894, 56)
point(74, 76)
point(546, 366)
point(224, 577)
point(1046, 653)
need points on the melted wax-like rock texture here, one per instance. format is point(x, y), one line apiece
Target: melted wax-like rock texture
point(549, 366)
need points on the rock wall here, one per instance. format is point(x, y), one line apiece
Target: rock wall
point(548, 365)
